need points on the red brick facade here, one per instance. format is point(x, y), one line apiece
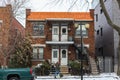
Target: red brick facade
point(8, 28)
point(59, 18)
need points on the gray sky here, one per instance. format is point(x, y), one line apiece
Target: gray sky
point(63, 5)
point(54, 6)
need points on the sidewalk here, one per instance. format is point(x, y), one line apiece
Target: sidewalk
point(103, 76)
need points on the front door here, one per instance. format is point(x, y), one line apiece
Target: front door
point(55, 55)
point(55, 33)
point(64, 56)
point(64, 33)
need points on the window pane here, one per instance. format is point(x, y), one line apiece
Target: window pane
point(84, 31)
point(41, 53)
point(34, 53)
point(54, 54)
point(63, 53)
point(38, 29)
point(64, 31)
point(41, 29)
point(55, 31)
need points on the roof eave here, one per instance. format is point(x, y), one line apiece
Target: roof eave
point(59, 20)
point(84, 20)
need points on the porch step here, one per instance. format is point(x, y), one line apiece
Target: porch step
point(64, 69)
point(94, 69)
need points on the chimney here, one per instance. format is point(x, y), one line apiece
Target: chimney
point(92, 12)
point(9, 7)
point(28, 12)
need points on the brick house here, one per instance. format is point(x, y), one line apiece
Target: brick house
point(54, 35)
point(9, 28)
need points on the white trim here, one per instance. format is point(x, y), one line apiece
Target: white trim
point(36, 19)
point(80, 36)
point(84, 20)
point(0, 45)
point(41, 45)
point(1, 21)
point(85, 45)
point(38, 36)
point(38, 60)
point(59, 42)
point(59, 19)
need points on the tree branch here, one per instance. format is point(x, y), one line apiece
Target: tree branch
point(114, 26)
point(118, 3)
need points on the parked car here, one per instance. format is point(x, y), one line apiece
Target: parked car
point(16, 74)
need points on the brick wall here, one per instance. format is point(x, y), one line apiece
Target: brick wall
point(8, 31)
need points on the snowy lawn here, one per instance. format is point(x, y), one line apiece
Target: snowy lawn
point(103, 76)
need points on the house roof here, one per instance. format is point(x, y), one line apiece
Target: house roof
point(60, 16)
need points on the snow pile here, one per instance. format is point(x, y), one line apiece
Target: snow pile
point(103, 76)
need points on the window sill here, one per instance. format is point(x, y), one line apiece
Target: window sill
point(38, 36)
point(80, 37)
point(38, 60)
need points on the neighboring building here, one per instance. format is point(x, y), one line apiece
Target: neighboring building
point(53, 35)
point(9, 29)
point(106, 39)
point(94, 3)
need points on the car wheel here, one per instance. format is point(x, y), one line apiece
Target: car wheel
point(14, 78)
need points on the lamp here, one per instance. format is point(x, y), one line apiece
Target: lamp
point(76, 25)
point(81, 42)
point(87, 26)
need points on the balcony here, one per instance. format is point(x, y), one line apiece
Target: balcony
point(65, 42)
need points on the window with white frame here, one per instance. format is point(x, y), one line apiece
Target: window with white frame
point(84, 30)
point(38, 52)
point(38, 29)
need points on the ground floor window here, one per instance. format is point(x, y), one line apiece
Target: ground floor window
point(38, 52)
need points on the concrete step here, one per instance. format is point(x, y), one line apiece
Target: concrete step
point(64, 69)
point(94, 69)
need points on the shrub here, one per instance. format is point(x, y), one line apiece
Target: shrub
point(43, 69)
point(75, 67)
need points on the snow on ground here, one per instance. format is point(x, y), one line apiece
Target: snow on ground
point(103, 76)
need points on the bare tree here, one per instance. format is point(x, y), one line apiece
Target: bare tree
point(17, 11)
point(18, 8)
point(80, 5)
point(114, 26)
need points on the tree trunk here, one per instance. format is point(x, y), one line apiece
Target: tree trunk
point(5, 62)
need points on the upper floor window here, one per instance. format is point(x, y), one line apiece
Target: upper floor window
point(101, 11)
point(105, 0)
point(84, 30)
point(38, 52)
point(38, 29)
point(96, 17)
point(97, 32)
point(101, 31)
